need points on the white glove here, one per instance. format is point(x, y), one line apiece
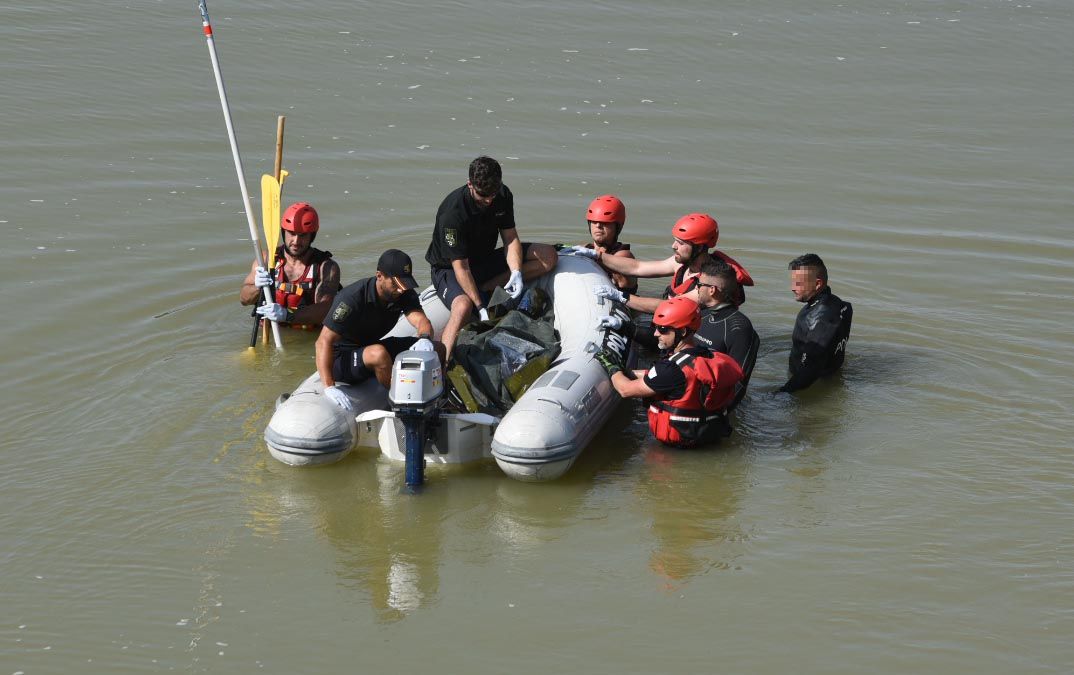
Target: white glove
point(423, 345)
point(483, 314)
point(262, 278)
point(581, 251)
point(613, 322)
point(273, 312)
point(514, 285)
point(610, 292)
point(336, 395)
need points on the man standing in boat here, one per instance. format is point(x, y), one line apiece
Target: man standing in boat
point(466, 265)
point(821, 331)
point(605, 217)
point(724, 328)
point(694, 234)
point(689, 391)
point(306, 279)
point(351, 347)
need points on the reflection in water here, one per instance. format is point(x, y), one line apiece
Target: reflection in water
point(692, 499)
point(388, 544)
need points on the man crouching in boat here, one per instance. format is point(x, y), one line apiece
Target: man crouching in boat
point(690, 390)
point(306, 279)
point(605, 217)
point(465, 262)
point(351, 348)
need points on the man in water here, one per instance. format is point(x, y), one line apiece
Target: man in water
point(724, 328)
point(819, 340)
point(351, 347)
point(466, 265)
point(693, 235)
point(306, 279)
point(605, 217)
point(690, 390)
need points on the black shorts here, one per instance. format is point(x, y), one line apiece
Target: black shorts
point(489, 267)
point(349, 367)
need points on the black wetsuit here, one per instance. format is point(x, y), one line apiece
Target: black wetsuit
point(727, 330)
point(819, 341)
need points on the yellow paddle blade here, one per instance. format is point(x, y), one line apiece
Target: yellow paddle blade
point(270, 215)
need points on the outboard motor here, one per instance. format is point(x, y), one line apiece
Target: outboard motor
point(417, 383)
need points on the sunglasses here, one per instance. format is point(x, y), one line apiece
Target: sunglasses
point(702, 284)
point(663, 330)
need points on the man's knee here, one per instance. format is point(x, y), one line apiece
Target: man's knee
point(544, 254)
point(376, 356)
point(462, 305)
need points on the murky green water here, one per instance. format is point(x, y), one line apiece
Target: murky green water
point(912, 515)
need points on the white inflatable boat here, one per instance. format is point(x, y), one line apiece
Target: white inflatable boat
point(539, 437)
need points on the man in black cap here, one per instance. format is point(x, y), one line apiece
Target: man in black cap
point(352, 346)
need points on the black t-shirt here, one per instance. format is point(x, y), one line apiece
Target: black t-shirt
point(463, 230)
point(667, 379)
point(360, 318)
point(819, 340)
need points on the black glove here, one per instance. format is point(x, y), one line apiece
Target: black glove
point(609, 361)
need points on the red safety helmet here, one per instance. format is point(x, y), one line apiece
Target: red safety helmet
point(679, 313)
point(300, 218)
point(607, 209)
point(697, 228)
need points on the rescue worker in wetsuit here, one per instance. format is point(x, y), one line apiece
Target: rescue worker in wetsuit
point(305, 279)
point(690, 390)
point(351, 347)
point(694, 234)
point(606, 216)
point(819, 340)
point(724, 328)
point(465, 262)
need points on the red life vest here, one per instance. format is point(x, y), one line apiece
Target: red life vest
point(699, 415)
point(680, 285)
point(300, 292)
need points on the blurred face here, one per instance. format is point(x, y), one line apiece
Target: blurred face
point(603, 233)
point(482, 201)
point(297, 244)
point(804, 284)
point(683, 251)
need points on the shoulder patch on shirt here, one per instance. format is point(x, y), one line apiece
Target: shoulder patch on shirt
point(450, 236)
point(342, 310)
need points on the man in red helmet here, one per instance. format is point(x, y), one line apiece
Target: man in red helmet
point(690, 390)
point(694, 234)
point(606, 216)
point(466, 265)
point(305, 279)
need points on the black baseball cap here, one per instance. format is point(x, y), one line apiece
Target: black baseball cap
point(395, 263)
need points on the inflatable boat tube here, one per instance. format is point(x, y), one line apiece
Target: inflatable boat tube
point(540, 436)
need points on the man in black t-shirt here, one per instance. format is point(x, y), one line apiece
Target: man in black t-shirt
point(821, 331)
point(724, 328)
point(465, 262)
point(352, 347)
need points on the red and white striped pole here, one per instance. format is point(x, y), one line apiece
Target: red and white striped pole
point(207, 27)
